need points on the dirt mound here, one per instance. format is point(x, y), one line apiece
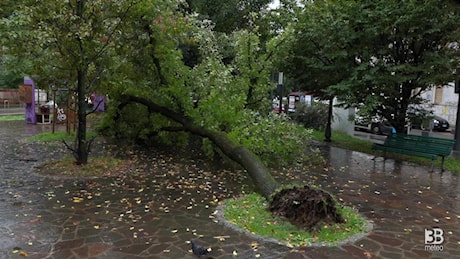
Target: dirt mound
point(306, 207)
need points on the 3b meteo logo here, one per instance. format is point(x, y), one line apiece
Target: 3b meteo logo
point(433, 239)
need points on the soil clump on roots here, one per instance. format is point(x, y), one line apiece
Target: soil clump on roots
point(306, 207)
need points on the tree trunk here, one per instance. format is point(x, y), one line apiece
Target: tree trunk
point(81, 151)
point(328, 132)
point(259, 173)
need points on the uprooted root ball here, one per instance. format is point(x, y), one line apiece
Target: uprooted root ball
point(306, 207)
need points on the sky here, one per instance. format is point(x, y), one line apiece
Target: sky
point(274, 4)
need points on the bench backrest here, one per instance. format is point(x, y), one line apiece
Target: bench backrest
point(423, 144)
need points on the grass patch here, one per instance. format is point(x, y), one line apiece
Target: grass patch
point(58, 136)
point(97, 166)
point(12, 118)
point(345, 141)
point(250, 213)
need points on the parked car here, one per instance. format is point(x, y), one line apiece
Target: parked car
point(373, 124)
point(439, 123)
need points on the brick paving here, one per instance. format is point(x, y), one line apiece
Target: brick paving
point(163, 201)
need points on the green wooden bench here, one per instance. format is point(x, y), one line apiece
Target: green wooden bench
point(416, 145)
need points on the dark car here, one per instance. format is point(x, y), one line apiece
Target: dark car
point(438, 123)
point(373, 124)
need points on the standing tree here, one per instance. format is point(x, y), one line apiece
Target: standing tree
point(69, 39)
point(402, 52)
point(377, 54)
point(314, 53)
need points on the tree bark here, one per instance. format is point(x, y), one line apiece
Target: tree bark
point(328, 132)
point(81, 150)
point(259, 173)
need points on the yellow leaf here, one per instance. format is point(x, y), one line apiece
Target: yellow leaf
point(96, 227)
point(22, 253)
point(77, 199)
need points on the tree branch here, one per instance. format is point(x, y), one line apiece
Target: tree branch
point(259, 173)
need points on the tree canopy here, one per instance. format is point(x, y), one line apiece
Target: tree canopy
point(230, 15)
point(374, 55)
point(229, 97)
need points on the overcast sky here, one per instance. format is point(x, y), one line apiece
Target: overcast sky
point(274, 4)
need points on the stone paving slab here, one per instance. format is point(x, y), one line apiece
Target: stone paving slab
point(154, 210)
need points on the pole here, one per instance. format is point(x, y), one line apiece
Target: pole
point(54, 109)
point(457, 121)
point(280, 91)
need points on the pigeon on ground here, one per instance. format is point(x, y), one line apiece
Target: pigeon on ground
point(198, 250)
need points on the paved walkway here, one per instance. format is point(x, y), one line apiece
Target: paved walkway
point(163, 201)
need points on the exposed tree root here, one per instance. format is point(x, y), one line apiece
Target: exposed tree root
point(306, 207)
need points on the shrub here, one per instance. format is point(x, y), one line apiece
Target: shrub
point(311, 116)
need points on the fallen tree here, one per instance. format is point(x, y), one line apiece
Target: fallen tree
point(305, 207)
point(217, 101)
point(258, 172)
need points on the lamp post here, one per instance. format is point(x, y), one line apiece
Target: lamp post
point(280, 91)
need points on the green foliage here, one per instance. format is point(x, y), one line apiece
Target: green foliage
point(274, 138)
point(12, 71)
point(230, 15)
point(230, 97)
point(250, 213)
point(379, 54)
point(311, 116)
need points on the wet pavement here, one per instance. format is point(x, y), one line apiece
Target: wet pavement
point(154, 208)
